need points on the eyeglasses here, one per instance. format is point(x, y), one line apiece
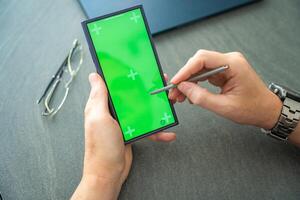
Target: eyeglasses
point(65, 75)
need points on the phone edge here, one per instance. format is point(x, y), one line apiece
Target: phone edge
point(99, 71)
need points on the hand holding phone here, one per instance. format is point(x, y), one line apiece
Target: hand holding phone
point(107, 160)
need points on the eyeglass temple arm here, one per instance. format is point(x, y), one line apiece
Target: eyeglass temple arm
point(48, 98)
point(53, 90)
point(57, 74)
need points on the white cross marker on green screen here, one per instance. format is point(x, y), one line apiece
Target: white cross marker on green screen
point(135, 17)
point(96, 29)
point(166, 117)
point(132, 74)
point(129, 131)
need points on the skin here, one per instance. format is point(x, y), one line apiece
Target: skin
point(243, 98)
point(107, 160)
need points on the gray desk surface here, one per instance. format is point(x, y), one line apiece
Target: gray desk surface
point(213, 158)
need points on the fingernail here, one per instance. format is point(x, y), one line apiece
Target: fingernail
point(92, 78)
point(172, 80)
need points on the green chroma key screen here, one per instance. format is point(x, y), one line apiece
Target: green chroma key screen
point(128, 63)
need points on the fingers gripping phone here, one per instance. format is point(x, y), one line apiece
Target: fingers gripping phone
point(124, 55)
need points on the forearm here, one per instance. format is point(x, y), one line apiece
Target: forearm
point(92, 188)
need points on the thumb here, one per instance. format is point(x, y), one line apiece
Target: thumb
point(98, 99)
point(202, 97)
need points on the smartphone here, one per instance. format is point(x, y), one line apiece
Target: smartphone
point(124, 55)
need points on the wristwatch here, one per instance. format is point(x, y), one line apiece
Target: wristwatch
point(290, 112)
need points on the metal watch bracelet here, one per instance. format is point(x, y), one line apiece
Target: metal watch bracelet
point(288, 120)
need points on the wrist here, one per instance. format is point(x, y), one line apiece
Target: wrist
point(99, 183)
point(270, 111)
point(95, 187)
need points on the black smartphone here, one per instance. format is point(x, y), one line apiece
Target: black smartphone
point(124, 54)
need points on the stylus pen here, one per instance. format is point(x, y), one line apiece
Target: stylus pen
point(193, 79)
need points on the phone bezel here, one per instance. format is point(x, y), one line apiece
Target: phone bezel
point(99, 70)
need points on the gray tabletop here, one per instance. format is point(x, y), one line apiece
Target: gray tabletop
point(212, 158)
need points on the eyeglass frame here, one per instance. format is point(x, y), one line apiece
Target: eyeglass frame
point(56, 80)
